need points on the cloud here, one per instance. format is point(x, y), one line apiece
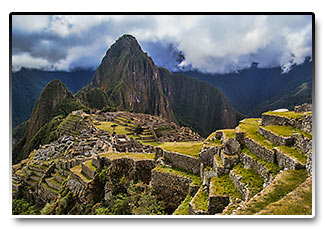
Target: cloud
point(209, 43)
point(26, 60)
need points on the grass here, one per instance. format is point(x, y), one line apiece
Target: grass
point(196, 180)
point(287, 114)
point(107, 126)
point(250, 127)
point(250, 177)
point(286, 182)
point(90, 165)
point(223, 186)
point(78, 171)
point(188, 148)
point(136, 156)
point(200, 200)
point(229, 133)
point(297, 202)
point(286, 131)
point(213, 142)
point(183, 207)
point(271, 167)
point(294, 153)
point(219, 160)
point(48, 187)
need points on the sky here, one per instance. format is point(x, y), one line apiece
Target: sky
point(208, 43)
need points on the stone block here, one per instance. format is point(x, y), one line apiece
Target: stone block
point(185, 162)
point(276, 139)
point(260, 150)
point(287, 162)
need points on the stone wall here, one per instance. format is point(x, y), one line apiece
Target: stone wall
point(275, 120)
point(284, 161)
point(240, 137)
point(229, 161)
point(135, 169)
point(45, 194)
point(188, 163)
point(278, 140)
point(206, 155)
point(303, 143)
point(307, 123)
point(88, 171)
point(217, 204)
point(304, 108)
point(250, 163)
point(259, 150)
point(309, 164)
point(242, 187)
point(170, 188)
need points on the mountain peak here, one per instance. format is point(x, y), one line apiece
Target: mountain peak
point(125, 42)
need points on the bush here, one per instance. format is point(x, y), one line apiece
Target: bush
point(23, 207)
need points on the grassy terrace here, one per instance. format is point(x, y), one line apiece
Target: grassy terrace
point(78, 171)
point(286, 182)
point(107, 126)
point(287, 114)
point(294, 153)
point(90, 165)
point(286, 131)
point(250, 127)
point(229, 133)
point(250, 177)
point(200, 200)
point(48, 187)
point(196, 180)
point(183, 207)
point(136, 156)
point(213, 142)
point(273, 168)
point(223, 186)
point(297, 202)
point(188, 148)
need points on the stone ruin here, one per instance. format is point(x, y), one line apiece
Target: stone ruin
point(178, 179)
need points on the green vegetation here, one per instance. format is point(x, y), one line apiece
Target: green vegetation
point(188, 148)
point(90, 165)
point(223, 186)
point(183, 207)
point(250, 127)
point(119, 129)
point(219, 160)
point(229, 133)
point(131, 199)
point(293, 152)
point(200, 200)
point(286, 131)
point(136, 156)
point(287, 114)
point(297, 202)
point(23, 207)
point(196, 180)
point(48, 187)
point(286, 182)
point(112, 127)
point(272, 167)
point(213, 142)
point(250, 177)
